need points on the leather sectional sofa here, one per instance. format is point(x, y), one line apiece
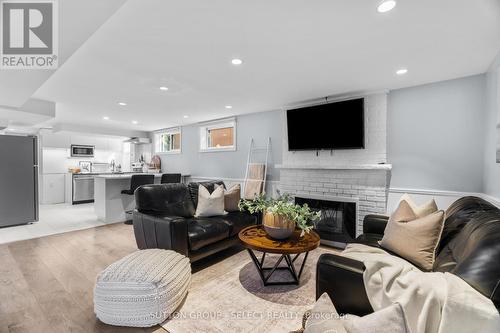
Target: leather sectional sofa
point(469, 248)
point(164, 218)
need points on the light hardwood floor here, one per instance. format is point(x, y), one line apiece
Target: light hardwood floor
point(46, 284)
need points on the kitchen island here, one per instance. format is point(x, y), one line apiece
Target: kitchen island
point(109, 203)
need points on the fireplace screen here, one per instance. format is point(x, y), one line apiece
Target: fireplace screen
point(337, 222)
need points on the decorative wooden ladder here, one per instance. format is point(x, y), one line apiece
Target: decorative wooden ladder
point(256, 172)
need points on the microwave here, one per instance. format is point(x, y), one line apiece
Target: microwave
point(82, 151)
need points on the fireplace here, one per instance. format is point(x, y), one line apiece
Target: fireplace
point(337, 225)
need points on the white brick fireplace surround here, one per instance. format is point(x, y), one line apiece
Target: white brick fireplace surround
point(352, 173)
point(368, 185)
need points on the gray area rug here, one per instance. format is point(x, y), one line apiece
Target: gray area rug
point(230, 297)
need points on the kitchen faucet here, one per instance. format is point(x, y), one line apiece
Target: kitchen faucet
point(112, 164)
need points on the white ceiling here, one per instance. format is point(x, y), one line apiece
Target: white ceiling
point(292, 51)
point(78, 21)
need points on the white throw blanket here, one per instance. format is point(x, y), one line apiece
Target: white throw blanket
point(432, 302)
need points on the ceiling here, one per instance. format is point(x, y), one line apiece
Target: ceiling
point(78, 21)
point(291, 50)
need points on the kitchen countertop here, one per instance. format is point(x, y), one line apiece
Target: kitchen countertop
point(110, 173)
point(124, 175)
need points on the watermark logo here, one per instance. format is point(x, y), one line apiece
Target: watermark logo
point(29, 34)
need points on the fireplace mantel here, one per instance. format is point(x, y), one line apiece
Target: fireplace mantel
point(386, 167)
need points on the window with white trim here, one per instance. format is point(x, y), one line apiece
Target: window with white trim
point(218, 135)
point(168, 141)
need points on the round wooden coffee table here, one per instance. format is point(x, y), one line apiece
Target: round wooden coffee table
point(255, 238)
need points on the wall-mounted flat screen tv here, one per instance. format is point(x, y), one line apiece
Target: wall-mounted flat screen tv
point(338, 125)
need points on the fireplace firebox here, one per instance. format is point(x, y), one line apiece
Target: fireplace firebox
point(337, 225)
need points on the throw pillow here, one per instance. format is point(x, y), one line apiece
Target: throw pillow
point(324, 317)
point(210, 204)
point(232, 198)
point(415, 240)
point(422, 210)
point(403, 213)
point(391, 319)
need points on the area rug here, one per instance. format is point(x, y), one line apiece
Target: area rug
point(229, 297)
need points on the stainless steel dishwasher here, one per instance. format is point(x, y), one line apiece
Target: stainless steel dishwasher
point(83, 189)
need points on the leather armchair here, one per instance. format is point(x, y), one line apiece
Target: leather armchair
point(164, 218)
point(469, 248)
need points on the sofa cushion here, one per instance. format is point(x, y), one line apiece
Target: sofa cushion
point(193, 189)
point(164, 199)
point(236, 221)
point(204, 231)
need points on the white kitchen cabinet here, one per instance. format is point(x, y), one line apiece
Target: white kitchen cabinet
point(101, 143)
point(115, 145)
point(54, 161)
point(86, 140)
point(53, 188)
point(56, 140)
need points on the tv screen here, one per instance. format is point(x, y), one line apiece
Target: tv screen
point(338, 125)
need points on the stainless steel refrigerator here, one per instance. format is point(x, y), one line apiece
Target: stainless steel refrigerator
point(18, 180)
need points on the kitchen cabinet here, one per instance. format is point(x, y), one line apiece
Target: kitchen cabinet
point(115, 145)
point(56, 140)
point(86, 140)
point(53, 188)
point(101, 143)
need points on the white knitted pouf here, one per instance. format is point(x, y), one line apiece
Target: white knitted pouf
point(142, 289)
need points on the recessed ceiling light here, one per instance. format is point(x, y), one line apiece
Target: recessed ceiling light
point(185, 117)
point(236, 61)
point(105, 118)
point(229, 107)
point(164, 88)
point(122, 103)
point(11, 129)
point(402, 71)
point(135, 122)
point(386, 5)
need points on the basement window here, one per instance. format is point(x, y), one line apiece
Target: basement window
point(218, 135)
point(168, 141)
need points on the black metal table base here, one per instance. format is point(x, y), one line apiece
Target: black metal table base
point(266, 272)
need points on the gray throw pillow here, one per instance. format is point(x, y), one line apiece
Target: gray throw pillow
point(391, 319)
point(324, 318)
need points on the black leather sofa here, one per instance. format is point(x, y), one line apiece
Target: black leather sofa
point(469, 248)
point(164, 218)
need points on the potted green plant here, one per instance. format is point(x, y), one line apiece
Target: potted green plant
point(281, 215)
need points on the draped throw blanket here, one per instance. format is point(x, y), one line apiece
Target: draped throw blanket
point(254, 183)
point(433, 302)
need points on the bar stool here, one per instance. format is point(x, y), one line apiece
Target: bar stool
point(170, 178)
point(135, 182)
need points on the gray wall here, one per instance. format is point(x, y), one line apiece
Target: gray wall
point(435, 140)
point(436, 135)
point(230, 164)
point(491, 181)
